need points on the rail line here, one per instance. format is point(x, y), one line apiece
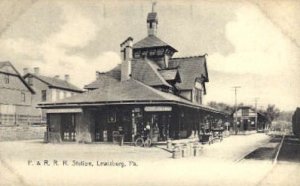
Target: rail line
point(274, 162)
point(278, 150)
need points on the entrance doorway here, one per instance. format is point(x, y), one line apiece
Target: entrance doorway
point(159, 125)
point(113, 122)
point(68, 126)
point(245, 124)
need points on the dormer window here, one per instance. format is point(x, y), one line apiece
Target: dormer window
point(144, 53)
point(137, 54)
point(152, 52)
point(160, 52)
point(245, 112)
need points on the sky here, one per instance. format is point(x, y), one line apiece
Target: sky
point(251, 44)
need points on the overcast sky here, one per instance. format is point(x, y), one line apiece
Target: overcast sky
point(252, 44)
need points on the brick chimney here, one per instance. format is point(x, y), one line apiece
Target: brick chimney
point(126, 56)
point(67, 77)
point(25, 71)
point(36, 70)
point(97, 75)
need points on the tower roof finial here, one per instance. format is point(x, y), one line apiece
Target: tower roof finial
point(153, 6)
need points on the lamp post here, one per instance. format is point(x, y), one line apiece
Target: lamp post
point(235, 108)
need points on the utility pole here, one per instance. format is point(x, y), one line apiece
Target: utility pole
point(104, 10)
point(235, 108)
point(255, 101)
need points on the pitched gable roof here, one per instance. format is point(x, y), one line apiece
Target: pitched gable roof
point(102, 81)
point(123, 92)
point(115, 72)
point(146, 71)
point(7, 67)
point(55, 82)
point(130, 90)
point(150, 42)
point(13, 71)
point(170, 74)
point(4, 63)
point(190, 69)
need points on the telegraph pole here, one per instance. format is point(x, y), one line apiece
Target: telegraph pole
point(235, 108)
point(255, 101)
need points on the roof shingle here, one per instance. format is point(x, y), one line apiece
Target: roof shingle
point(55, 82)
point(152, 16)
point(115, 72)
point(146, 71)
point(102, 81)
point(189, 68)
point(123, 91)
point(169, 74)
point(12, 70)
point(151, 41)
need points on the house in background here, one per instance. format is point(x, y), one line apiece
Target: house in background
point(49, 89)
point(248, 120)
point(16, 98)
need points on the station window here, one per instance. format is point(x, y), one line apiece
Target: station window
point(23, 97)
point(198, 95)
point(111, 117)
point(44, 95)
point(6, 78)
point(245, 112)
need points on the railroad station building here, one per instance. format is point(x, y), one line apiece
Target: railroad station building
point(149, 87)
point(249, 120)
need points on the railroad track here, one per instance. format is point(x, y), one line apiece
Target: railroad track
point(268, 151)
point(274, 162)
point(278, 150)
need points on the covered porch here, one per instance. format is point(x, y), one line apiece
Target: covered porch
point(102, 122)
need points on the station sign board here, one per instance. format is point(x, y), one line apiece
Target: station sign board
point(158, 108)
point(65, 110)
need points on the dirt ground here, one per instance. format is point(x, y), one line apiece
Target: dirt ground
point(22, 163)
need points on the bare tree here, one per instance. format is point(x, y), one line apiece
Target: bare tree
point(271, 113)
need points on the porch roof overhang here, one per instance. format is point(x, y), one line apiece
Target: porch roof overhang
point(132, 102)
point(130, 92)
